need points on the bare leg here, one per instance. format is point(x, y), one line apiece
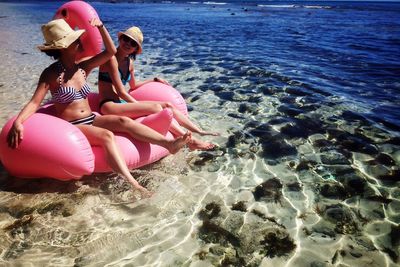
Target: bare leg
point(186, 122)
point(131, 110)
point(141, 132)
point(194, 143)
point(142, 108)
point(104, 138)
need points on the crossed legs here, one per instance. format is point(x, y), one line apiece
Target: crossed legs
point(143, 108)
point(141, 132)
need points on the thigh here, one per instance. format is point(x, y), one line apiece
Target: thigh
point(152, 103)
point(95, 135)
point(112, 122)
point(133, 110)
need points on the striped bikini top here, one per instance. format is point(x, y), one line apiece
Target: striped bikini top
point(68, 94)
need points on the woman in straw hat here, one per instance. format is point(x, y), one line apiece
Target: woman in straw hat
point(66, 81)
point(119, 70)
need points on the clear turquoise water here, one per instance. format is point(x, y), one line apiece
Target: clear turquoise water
point(305, 93)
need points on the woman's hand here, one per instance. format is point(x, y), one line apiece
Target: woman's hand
point(15, 135)
point(144, 192)
point(156, 79)
point(95, 22)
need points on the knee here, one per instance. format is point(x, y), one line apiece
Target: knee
point(106, 110)
point(156, 108)
point(169, 105)
point(106, 136)
point(124, 121)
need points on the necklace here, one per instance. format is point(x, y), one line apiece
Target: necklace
point(64, 70)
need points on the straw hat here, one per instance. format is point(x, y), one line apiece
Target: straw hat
point(136, 35)
point(58, 34)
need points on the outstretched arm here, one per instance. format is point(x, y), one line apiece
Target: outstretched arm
point(104, 56)
point(136, 84)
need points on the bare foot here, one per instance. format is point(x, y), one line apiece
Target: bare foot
point(174, 146)
point(202, 133)
point(144, 192)
point(196, 144)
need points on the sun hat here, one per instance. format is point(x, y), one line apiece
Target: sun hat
point(135, 34)
point(58, 34)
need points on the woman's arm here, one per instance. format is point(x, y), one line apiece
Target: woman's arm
point(133, 83)
point(104, 56)
point(116, 80)
point(16, 133)
point(136, 84)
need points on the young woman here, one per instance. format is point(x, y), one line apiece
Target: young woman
point(66, 81)
point(118, 71)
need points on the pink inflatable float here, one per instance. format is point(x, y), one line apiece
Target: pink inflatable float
point(78, 15)
point(54, 148)
point(156, 91)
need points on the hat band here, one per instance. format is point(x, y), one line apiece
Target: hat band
point(54, 42)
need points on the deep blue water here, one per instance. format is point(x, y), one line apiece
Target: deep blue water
point(349, 49)
point(324, 49)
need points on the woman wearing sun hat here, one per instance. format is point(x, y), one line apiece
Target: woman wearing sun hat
point(66, 81)
point(119, 70)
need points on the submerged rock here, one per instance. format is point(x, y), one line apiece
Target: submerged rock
point(277, 243)
point(354, 143)
point(275, 147)
point(270, 190)
point(334, 158)
point(239, 242)
point(392, 176)
point(384, 159)
point(394, 141)
point(334, 191)
point(240, 206)
point(354, 117)
point(260, 130)
point(16, 249)
point(295, 187)
point(342, 217)
point(319, 143)
point(211, 232)
point(305, 165)
point(290, 110)
point(235, 139)
point(25, 220)
point(354, 183)
point(303, 127)
point(210, 211)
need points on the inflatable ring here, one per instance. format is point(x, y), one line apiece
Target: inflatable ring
point(54, 148)
point(156, 91)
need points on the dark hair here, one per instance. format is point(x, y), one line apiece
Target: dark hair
point(133, 56)
point(54, 53)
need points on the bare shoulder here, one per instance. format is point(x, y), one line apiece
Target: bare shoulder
point(111, 63)
point(50, 74)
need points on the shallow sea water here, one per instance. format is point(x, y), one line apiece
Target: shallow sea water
point(307, 174)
